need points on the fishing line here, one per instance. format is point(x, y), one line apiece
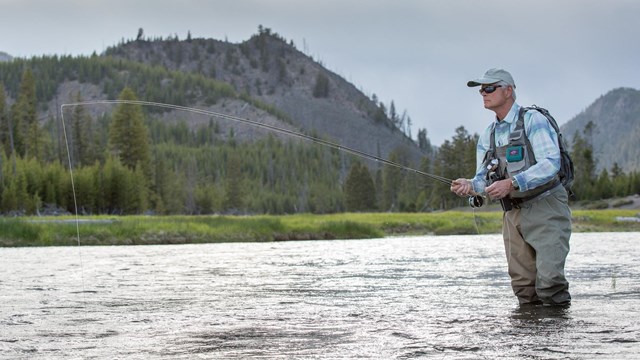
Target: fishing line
point(475, 221)
point(75, 203)
point(276, 129)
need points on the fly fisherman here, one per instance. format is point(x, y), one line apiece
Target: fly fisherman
point(536, 224)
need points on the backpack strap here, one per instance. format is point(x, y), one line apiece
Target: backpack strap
point(546, 114)
point(520, 126)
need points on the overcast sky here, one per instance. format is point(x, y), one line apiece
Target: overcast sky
point(419, 53)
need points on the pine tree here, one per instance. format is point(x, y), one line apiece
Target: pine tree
point(359, 190)
point(321, 88)
point(619, 180)
point(129, 136)
point(425, 186)
point(139, 193)
point(25, 127)
point(233, 190)
point(81, 141)
point(4, 133)
point(4, 123)
point(391, 180)
point(456, 158)
point(393, 115)
point(604, 187)
point(585, 167)
point(423, 141)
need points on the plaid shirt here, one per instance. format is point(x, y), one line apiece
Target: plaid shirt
point(544, 142)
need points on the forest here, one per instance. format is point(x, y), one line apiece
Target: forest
point(131, 161)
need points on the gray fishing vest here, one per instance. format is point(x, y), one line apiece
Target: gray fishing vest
point(517, 156)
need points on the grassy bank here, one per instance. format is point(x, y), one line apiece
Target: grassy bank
point(137, 230)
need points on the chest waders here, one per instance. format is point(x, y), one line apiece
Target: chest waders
point(506, 161)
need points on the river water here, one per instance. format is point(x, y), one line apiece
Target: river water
point(444, 297)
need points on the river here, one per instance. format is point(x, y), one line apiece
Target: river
point(433, 297)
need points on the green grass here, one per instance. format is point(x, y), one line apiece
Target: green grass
point(604, 220)
point(140, 230)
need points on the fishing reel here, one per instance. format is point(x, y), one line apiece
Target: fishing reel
point(492, 176)
point(476, 201)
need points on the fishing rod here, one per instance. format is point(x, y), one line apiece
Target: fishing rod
point(273, 128)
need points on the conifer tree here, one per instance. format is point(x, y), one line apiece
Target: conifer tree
point(619, 180)
point(4, 132)
point(321, 88)
point(9, 197)
point(585, 166)
point(81, 138)
point(139, 195)
point(129, 136)
point(456, 158)
point(15, 196)
point(391, 180)
point(233, 189)
point(25, 127)
point(423, 141)
point(4, 123)
point(604, 187)
point(425, 186)
point(360, 192)
point(393, 115)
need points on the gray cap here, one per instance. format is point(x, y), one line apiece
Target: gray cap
point(492, 76)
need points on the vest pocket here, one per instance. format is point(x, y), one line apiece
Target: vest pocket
point(515, 152)
point(515, 159)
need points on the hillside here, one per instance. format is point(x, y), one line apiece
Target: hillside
point(269, 69)
point(200, 163)
point(616, 116)
point(147, 159)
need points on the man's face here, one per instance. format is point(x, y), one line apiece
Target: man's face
point(495, 96)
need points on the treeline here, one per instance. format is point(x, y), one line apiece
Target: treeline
point(128, 161)
point(111, 75)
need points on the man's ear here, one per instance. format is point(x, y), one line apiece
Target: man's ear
point(510, 90)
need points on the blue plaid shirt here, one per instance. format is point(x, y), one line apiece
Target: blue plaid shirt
point(544, 142)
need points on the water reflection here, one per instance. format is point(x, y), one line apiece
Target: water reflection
point(538, 312)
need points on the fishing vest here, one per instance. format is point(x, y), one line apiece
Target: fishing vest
point(516, 157)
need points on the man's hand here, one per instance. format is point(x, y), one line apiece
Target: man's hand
point(499, 189)
point(462, 187)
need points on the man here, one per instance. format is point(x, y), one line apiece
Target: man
point(537, 220)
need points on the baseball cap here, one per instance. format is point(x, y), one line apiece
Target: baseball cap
point(493, 76)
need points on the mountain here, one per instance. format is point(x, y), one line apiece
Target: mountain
point(5, 57)
point(616, 133)
point(266, 67)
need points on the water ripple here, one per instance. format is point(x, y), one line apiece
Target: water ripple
point(405, 298)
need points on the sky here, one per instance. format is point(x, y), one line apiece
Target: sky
point(563, 54)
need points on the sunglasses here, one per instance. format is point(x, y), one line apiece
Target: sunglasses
point(489, 88)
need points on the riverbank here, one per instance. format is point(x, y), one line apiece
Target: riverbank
point(147, 230)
